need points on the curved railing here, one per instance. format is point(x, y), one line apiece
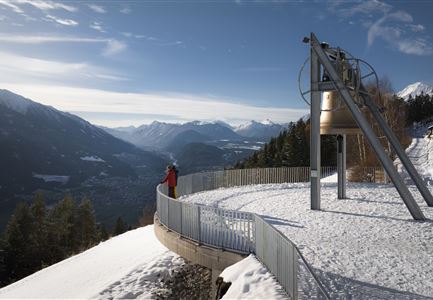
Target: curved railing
point(242, 232)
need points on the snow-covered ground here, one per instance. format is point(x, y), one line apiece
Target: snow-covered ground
point(366, 246)
point(52, 178)
point(92, 158)
point(420, 152)
point(251, 280)
point(126, 266)
point(133, 265)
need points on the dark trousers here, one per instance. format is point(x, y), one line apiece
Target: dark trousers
point(171, 193)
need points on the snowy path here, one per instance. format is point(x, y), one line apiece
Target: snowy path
point(420, 153)
point(365, 247)
point(126, 266)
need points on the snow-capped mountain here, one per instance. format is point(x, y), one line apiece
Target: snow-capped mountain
point(263, 130)
point(159, 135)
point(198, 145)
point(415, 89)
point(44, 148)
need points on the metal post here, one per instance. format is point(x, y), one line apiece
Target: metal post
point(368, 132)
point(399, 151)
point(315, 132)
point(341, 166)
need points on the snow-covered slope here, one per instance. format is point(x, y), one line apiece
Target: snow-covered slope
point(133, 265)
point(420, 152)
point(126, 266)
point(415, 89)
point(265, 129)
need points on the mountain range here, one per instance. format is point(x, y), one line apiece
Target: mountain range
point(159, 135)
point(198, 145)
point(44, 149)
point(415, 89)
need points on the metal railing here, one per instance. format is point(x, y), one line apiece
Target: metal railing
point(239, 231)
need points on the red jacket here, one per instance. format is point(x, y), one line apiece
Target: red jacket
point(170, 178)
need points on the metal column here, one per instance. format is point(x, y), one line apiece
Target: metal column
point(341, 166)
point(367, 130)
point(315, 108)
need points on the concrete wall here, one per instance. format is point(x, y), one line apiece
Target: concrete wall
point(212, 258)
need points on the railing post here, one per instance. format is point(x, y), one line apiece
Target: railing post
point(199, 223)
point(295, 275)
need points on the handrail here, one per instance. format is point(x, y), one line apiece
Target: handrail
point(236, 231)
point(239, 231)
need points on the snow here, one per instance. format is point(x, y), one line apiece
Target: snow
point(267, 122)
point(415, 89)
point(52, 178)
point(92, 158)
point(125, 266)
point(251, 280)
point(366, 242)
point(14, 101)
point(420, 152)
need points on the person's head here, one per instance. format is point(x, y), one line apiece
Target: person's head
point(169, 167)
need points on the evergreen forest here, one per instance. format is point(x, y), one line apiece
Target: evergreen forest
point(37, 236)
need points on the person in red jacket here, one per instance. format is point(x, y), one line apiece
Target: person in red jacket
point(171, 181)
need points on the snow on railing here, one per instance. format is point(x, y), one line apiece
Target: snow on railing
point(243, 232)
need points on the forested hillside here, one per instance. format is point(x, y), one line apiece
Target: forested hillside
point(292, 147)
point(419, 108)
point(37, 236)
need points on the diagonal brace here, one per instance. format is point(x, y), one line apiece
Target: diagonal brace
point(407, 197)
point(398, 150)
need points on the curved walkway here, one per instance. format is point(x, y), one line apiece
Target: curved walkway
point(364, 247)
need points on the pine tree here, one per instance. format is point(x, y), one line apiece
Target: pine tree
point(103, 233)
point(63, 230)
point(120, 227)
point(20, 243)
point(40, 229)
point(3, 275)
point(86, 224)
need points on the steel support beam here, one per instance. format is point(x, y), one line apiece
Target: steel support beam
point(399, 150)
point(315, 108)
point(367, 130)
point(341, 166)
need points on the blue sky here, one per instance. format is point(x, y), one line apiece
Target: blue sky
point(119, 63)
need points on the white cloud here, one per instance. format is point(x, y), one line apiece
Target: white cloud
point(384, 22)
point(47, 5)
point(35, 39)
point(97, 26)
point(12, 6)
point(114, 47)
point(127, 34)
point(12, 62)
point(179, 106)
point(31, 67)
point(364, 7)
point(66, 22)
point(387, 29)
point(415, 46)
point(97, 8)
point(416, 28)
point(126, 10)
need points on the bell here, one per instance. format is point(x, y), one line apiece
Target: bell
point(335, 117)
